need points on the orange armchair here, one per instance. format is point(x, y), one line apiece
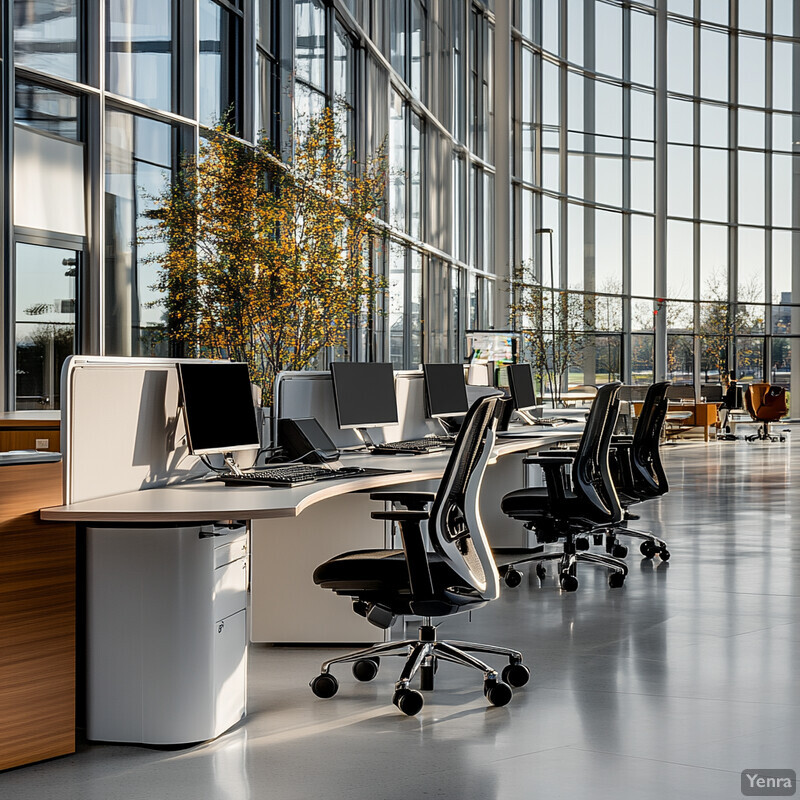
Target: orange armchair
point(765, 404)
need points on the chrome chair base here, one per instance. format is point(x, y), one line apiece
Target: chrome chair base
point(568, 567)
point(422, 655)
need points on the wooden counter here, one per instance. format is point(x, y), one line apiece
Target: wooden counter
point(37, 618)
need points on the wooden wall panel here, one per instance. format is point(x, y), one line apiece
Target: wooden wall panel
point(26, 440)
point(37, 619)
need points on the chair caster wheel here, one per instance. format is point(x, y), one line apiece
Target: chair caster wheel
point(409, 701)
point(647, 549)
point(582, 544)
point(619, 551)
point(541, 572)
point(616, 580)
point(569, 583)
point(664, 554)
point(366, 669)
point(324, 685)
point(515, 675)
point(513, 578)
point(497, 692)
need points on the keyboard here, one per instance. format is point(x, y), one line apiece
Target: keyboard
point(429, 444)
point(289, 475)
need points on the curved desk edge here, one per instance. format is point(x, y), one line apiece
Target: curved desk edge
point(212, 501)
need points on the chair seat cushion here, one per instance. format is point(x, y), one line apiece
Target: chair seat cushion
point(378, 571)
point(525, 503)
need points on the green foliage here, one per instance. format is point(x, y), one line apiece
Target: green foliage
point(265, 260)
point(553, 325)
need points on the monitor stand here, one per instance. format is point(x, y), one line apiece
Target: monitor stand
point(527, 417)
point(363, 434)
point(232, 465)
point(451, 425)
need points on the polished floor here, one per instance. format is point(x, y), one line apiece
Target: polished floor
point(667, 688)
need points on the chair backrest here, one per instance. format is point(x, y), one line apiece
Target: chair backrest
point(648, 471)
point(754, 397)
point(591, 472)
point(455, 527)
point(773, 404)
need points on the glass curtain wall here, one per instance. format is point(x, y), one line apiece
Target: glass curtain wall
point(434, 110)
point(707, 258)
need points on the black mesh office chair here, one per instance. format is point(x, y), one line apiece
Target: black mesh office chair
point(459, 575)
point(568, 510)
point(638, 472)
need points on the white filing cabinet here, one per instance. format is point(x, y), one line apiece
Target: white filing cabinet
point(166, 632)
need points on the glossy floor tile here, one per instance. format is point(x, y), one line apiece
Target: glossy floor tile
point(667, 688)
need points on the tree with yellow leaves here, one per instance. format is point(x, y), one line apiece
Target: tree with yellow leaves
point(265, 260)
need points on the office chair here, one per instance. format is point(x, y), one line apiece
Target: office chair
point(765, 404)
point(638, 472)
point(733, 400)
point(459, 575)
point(570, 513)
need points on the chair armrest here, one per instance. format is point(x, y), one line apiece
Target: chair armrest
point(401, 515)
point(419, 571)
point(412, 500)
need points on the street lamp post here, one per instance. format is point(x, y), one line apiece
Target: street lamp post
point(549, 232)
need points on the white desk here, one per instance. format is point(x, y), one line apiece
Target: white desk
point(295, 529)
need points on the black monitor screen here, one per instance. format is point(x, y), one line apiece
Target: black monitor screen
point(520, 382)
point(218, 407)
point(364, 394)
point(445, 389)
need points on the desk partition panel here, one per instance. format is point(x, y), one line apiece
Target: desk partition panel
point(122, 429)
point(310, 394)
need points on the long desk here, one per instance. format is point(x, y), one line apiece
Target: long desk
point(130, 551)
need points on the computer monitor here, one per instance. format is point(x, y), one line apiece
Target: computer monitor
point(364, 394)
point(218, 407)
point(445, 390)
point(520, 382)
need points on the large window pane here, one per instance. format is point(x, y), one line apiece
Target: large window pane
point(751, 270)
point(680, 249)
point(397, 161)
point(642, 48)
point(750, 359)
point(310, 42)
point(680, 194)
point(713, 262)
point(608, 252)
point(46, 109)
point(397, 303)
point(714, 184)
point(138, 167)
point(785, 60)
point(46, 36)
point(751, 188)
point(785, 169)
point(608, 41)
point(44, 322)
point(713, 64)
point(219, 66)
point(680, 46)
point(642, 257)
point(139, 51)
point(752, 70)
